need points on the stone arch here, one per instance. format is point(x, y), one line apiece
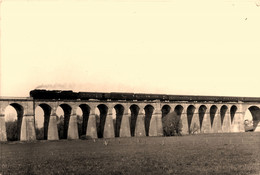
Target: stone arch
point(213, 111)
point(202, 111)
point(165, 110)
point(255, 113)
point(190, 113)
point(255, 110)
point(225, 119)
point(134, 114)
point(233, 111)
point(166, 115)
point(178, 119)
point(215, 119)
point(178, 109)
point(46, 115)
point(64, 125)
point(117, 122)
point(223, 111)
point(85, 116)
point(101, 119)
point(13, 128)
point(149, 109)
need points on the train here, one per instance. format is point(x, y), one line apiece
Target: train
point(113, 96)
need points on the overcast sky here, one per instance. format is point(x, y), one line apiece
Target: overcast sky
point(202, 47)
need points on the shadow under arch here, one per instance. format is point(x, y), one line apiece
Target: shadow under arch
point(178, 110)
point(213, 111)
point(82, 130)
point(177, 120)
point(134, 114)
point(101, 119)
point(202, 111)
point(233, 111)
point(190, 113)
point(223, 111)
point(165, 110)
point(166, 118)
point(255, 112)
point(47, 113)
point(13, 128)
point(119, 114)
point(63, 127)
point(148, 115)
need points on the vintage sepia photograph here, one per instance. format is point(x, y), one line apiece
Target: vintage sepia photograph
point(130, 87)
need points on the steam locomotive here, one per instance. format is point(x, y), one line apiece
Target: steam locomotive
point(70, 95)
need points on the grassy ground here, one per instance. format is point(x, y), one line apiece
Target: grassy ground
point(234, 153)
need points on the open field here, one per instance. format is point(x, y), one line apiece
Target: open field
point(233, 153)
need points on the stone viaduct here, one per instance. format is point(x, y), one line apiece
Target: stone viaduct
point(126, 118)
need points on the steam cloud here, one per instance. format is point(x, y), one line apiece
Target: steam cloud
point(88, 87)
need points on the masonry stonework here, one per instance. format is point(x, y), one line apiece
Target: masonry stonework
point(196, 117)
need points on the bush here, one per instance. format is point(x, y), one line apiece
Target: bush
point(80, 125)
point(39, 133)
point(60, 126)
point(98, 125)
point(85, 137)
point(12, 130)
point(194, 128)
point(172, 124)
point(249, 125)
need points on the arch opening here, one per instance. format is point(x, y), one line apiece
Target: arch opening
point(213, 111)
point(101, 119)
point(117, 122)
point(233, 111)
point(190, 113)
point(82, 119)
point(134, 114)
point(251, 121)
point(42, 118)
point(165, 110)
point(178, 109)
point(172, 123)
point(202, 111)
point(13, 121)
point(79, 116)
point(223, 111)
point(63, 117)
point(148, 115)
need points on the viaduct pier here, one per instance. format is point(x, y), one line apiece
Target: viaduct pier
point(108, 115)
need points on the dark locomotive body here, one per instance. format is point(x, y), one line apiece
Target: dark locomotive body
point(70, 95)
